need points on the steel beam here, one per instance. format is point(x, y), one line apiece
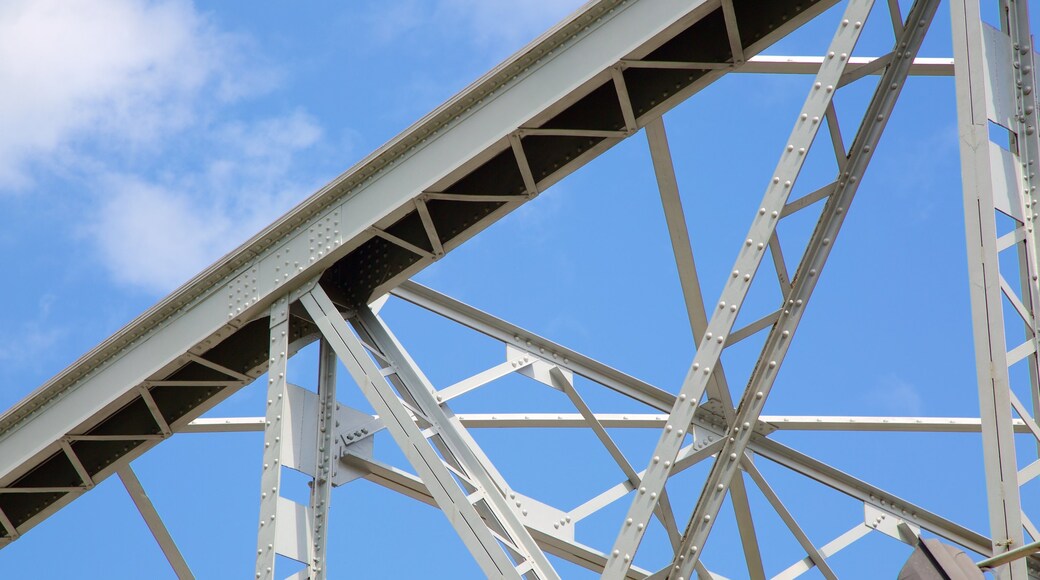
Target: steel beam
point(675, 218)
point(806, 276)
point(411, 486)
point(858, 66)
point(979, 99)
point(658, 421)
point(321, 488)
point(339, 224)
point(155, 524)
point(815, 555)
point(750, 257)
point(456, 443)
point(482, 543)
point(271, 473)
point(660, 400)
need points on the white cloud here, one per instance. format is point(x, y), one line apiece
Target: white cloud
point(508, 20)
point(480, 21)
point(101, 92)
point(898, 397)
point(25, 343)
point(126, 70)
point(155, 235)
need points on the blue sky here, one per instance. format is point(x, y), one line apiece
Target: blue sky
point(141, 140)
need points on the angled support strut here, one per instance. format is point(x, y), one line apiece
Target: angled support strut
point(501, 545)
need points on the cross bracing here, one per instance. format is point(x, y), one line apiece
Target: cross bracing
point(605, 74)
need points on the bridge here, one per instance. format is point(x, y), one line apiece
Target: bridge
point(320, 277)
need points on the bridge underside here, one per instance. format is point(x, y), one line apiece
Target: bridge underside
point(545, 146)
point(607, 72)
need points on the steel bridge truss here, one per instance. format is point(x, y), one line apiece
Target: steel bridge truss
point(323, 272)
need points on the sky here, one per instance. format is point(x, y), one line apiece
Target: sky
point(140, 140)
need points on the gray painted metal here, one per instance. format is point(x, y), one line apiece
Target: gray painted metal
point(934, 560)
point(996, 180)
point(851, 167)
point(433, 178)
point(711, 344)
point(324, 468)
point(502, 141)
point(155, 524)
point(274, 438)
point(459, 505)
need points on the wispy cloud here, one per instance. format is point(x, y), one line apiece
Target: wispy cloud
point(507, 20)
point(133, 100)
point(155, 234)
point(125, 70)
point(480, 21)
point(898, 397)
point(23, 344)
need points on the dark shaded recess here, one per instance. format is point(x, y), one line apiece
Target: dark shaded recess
point(19, 507)
point(194, 371)
point(757, 19)
point(243, 351)
point(547, 154)
point(454, 217)
point(351, 280)
point(500, 175)
point(704, 41)
point(176, 402)
point(97, 455)
point(600, 110)
point(647, 87)
point(410, 229)
point(55, 471)
point(133, 419)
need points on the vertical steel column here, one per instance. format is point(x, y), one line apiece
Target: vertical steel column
point(981, 178)
point(750, 257)
point(1026, 144)
point(323, 470)
point(271, 477)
